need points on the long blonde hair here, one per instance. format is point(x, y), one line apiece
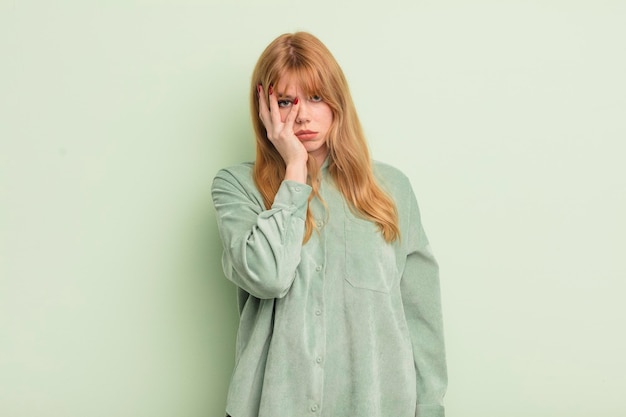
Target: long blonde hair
point(303, 55)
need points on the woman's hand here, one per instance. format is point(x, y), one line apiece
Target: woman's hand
point(280, 133)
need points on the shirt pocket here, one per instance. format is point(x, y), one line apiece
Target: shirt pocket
point(370, 260)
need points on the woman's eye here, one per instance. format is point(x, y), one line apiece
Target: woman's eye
point(316, 98)
point(284, 103)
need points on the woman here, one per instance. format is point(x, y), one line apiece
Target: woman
point(339, 299)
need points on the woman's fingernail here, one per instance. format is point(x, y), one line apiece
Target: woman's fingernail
point(271, 89)
point(295, 100)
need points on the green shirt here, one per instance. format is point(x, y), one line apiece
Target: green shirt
point(344, 325)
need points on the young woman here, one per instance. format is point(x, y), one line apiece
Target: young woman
point(339, 299)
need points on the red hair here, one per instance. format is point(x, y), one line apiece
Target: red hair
point(304, 56)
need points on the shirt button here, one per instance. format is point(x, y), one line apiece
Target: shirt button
point(318, 268)
point(320, 223)
point(318, 312)
point(319, 359)
point(314, 408)
point(297, 189)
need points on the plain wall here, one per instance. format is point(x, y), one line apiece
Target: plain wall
point(508, 116)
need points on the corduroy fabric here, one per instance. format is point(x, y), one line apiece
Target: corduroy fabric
point(344, 325)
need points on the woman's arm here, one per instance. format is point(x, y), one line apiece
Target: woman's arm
point(422, 305)
point(261, 247)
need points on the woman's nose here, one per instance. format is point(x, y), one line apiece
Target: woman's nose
point(303, 113)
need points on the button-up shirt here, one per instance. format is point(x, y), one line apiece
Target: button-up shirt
point(345, 324)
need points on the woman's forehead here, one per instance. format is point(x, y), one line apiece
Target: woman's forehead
point(288, 80)
point(290, 83)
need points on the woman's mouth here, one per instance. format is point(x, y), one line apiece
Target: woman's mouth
point(306, 134)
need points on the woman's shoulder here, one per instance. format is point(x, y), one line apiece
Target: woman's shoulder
point(239, 176)
point(240, 172)
point(390, 177)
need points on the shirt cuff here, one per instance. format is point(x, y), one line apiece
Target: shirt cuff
point(430, 411)
point(294, 197)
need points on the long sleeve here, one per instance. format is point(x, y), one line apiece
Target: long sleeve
point(422, 305)
point(261, 247)
point(344, 324)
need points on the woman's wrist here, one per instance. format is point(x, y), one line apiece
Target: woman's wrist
point(296, 172)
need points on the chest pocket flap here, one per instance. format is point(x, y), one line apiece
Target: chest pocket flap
point(370, 260)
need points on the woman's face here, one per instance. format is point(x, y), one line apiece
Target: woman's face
point(313, 120)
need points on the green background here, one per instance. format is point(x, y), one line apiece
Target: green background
point(508, 116)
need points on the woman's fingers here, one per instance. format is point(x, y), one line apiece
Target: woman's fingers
point(271, 116)
point(274, 109)
point(291, 116)
point(280, 131)
point(269, 112)
point(264, 112)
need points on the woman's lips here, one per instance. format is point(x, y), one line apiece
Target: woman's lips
point(306, 134)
